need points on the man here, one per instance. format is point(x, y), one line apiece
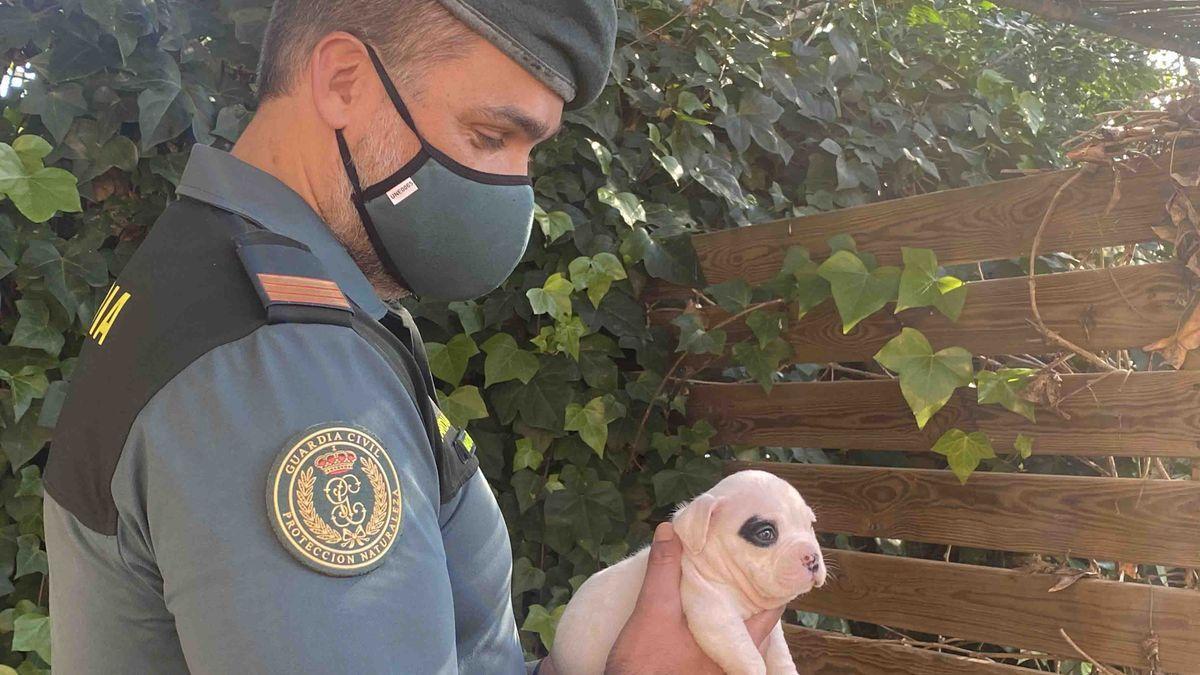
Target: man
point(250, 473)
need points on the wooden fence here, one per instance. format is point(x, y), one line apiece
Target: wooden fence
point(1144, 414)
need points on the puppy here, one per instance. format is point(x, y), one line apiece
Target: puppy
point(748, 546)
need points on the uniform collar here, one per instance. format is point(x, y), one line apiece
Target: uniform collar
point(218, 178)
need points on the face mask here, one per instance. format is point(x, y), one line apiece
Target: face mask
point(443, 230)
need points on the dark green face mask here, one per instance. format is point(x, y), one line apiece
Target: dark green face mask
point(444, 230)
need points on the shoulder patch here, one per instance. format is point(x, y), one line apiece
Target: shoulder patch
point(334, 499)
point(290, 281)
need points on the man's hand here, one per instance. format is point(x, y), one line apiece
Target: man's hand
point(656, 639)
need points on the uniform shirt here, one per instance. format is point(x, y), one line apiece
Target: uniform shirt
point(191, 403)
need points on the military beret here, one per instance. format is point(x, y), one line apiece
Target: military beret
point(567, 44)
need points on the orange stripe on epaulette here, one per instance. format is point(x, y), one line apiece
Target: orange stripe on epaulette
point(304, 290)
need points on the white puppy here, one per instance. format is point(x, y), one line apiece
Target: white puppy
point(748, 546)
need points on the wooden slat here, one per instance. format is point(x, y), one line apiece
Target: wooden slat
point(1154, 414)
point(992, 221)
point(823, 653)
point(1123, 519)
point(1109, 620)
point(1099, 309)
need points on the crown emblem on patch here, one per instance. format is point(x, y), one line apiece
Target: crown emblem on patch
point(336, 462)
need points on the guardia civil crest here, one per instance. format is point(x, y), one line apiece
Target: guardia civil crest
point(334, 499)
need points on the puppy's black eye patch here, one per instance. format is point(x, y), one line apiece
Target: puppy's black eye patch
point(759, 532)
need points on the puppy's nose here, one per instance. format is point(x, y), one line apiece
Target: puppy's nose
point(811, 562)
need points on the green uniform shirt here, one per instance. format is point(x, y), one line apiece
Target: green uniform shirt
point(243, 479)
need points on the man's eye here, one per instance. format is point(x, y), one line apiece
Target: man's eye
point(489, 142)
point(766, 534)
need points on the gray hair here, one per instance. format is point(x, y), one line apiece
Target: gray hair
point(409, 34)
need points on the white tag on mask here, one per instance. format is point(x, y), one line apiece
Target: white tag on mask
point(402, 191)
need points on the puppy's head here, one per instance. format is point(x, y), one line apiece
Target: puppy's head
point(755, 528)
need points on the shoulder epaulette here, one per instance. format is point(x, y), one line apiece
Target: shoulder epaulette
point(290, 280)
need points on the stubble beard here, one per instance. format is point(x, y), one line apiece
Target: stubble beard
point(376, 156)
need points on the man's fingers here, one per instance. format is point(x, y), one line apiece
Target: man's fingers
point(660, 589)
point(760, 625)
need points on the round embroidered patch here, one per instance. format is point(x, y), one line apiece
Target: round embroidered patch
point(334, 499)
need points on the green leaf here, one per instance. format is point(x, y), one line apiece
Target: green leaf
point(807, 288)
point(591, 420)
point(603, 156)
point(448, 362)
point(540, 402)
point(470, 315)
point(767, 325)
point(921, 285)
point(964, 451)
point(927, 379)
point(554, 224)
point(841, 242)
point(1004, 387)
point(58, 107)
point(585, 507)
point(543, 623)
point(993, 85)
point(463, 405)
point(20, 442)
point(33, 328)
point(12, 169)
point(526, 577)
point(506, 361)
point(45, 192)
point(671, 165)
point(32, 148)
point(567, 335)
point(526, 456)
point(733, 296)
point(31, 558)
point(626, 203)
point(1031, 110)
point(31, 633)
point(689, 103)
point(672, 486)
point(25, 385)
point(762, 362)
point(857, 291)
point(953, 297)
point(695, 339)
point(553, 298)
point(596, 275)
point(1024, 446)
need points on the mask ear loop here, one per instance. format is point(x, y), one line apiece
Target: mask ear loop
point(368, 224)
point(390, 88)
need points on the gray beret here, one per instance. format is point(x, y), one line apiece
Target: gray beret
point(567, 44)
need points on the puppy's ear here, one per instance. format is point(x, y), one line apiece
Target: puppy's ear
point(691, 522)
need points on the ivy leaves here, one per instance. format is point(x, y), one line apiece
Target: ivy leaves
point(964, 451)
point(858, 290)
point(592, 420)
point(921, 285)
point(37, 191)
point(506, 361)
point(927, 378)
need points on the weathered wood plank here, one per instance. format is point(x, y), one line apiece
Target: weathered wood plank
point(1123, 519)
point(824, 653)
point(1154, 414)
point(985, 222)
point(1115, 308)
point(1111, 621)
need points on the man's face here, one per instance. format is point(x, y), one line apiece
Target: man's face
point(481, 108)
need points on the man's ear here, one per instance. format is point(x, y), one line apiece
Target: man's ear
point(692, 521)
point(341, 77)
